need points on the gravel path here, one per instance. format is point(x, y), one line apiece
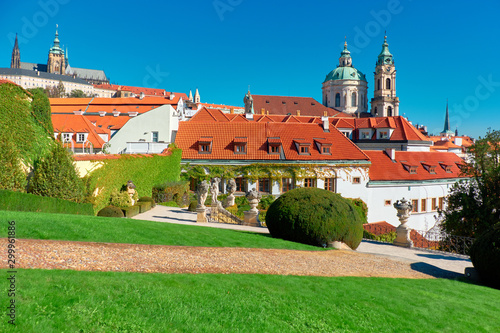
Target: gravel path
point(50, 254)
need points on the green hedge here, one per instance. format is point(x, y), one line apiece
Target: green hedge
point(172, 191)
point(144, 171)
point(25, 202)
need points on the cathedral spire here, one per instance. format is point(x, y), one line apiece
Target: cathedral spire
point(196, 96)
point(190, 95)
point(447, 131)
point(15, 61)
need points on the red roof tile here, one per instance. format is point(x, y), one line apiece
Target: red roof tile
point(384, 169)
point(284, 105)
point(71, 123)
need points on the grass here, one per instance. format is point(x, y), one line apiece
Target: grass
point(72, 301)
point(119, 230)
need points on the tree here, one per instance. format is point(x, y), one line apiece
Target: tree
point(55, 176)
point(474, 205)
point(77, 93)
point(12, 176)
point(40, 106)
point(56, 91)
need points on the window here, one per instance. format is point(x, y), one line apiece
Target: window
point(434, 204)
point(240, 184)
point(264, 185)
point(365, 135)
point(154, 136)
point(309, 182)
point(204, 148)
point(346, 133)
point(423, 205)
point(81, 137)
point(387, 202)
point(330, 184)
point(413, 169)
point(326, 150)
point(389, 111)
point(388, 83)
point(240, 148)
point(304, 150)
point(432, 170)
point(274, 149)
point(356, 180)
point(286, 184)
point(383, 134)
point(66, 137)
point(337, 99)
point(441, 203)
point(414, 203)
point(354, 99)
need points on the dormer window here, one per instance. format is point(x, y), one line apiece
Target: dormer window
point(66, 137)
point(412, 169)
point(430, 168)
point(302, 146)
point(240, 145)
point(384, 134)
point(365, 134)
point(102, 113)
point(325, 150)
point(446, 168)
point(304, 150)
point(81, 137)
point(323, 146)
point(274, 145)
point(205, 145)
point(116, 113)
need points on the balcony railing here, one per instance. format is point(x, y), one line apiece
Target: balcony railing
point(146, 147)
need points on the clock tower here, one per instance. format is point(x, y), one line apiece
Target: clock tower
point(384, 102)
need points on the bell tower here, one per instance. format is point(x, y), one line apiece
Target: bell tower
point(57, 62)
point(385, 103)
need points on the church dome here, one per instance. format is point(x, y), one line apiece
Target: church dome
point(345, 73)
point(345, 70)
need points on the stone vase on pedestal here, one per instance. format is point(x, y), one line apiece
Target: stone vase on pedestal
point(403, 231)
point(252, 215)
point(230, 188)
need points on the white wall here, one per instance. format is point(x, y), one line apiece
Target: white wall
point(163, 120)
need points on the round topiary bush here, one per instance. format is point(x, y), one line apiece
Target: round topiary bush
point(316, 217)
point(192, 206)
point(149, 199)
point(111, 211)
point(485, 256)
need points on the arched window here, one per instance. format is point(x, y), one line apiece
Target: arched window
point(337, 99)
point(389, 111)
point(378, 84)
point(388, 83)
point(354, 99)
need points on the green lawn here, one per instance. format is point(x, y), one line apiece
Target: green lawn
point(71, 301)
point(120, 230)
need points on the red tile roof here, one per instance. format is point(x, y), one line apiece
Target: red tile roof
point(71, 123)
point(403, 130)
point(384, 169)
point(257, 134)
point(138, 90)
point(283, 105)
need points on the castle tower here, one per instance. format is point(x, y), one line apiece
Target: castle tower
point(384, 102)
point(345, 87)
point(197, 96)
point(15, 61)
point(56, 63)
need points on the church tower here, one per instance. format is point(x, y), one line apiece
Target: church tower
point(56, 63)
point(196, 96)
point(15, 61)
point(447, 130)
point(384, 102)
point(345, 87)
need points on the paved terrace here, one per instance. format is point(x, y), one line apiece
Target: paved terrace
point(437, 264)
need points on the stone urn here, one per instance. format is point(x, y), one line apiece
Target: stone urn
point(252, 215)
point(404, 208)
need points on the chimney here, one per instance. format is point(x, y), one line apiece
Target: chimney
point(298, 112)
point(172, 96)
point(262, 111)
point(391, 152)
point(326, 124)
point(325, 113)
point(249, 116)
point(267, 112)
point(231, 111)
point(141, 95)
point(458, 141)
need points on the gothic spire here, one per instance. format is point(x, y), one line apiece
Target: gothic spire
point(15, 61)
point(447, 130)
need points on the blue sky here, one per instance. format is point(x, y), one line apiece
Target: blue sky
point(441, 49)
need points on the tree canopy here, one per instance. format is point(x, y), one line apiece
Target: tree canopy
point(474, 205)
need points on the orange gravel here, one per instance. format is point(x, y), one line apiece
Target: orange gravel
point(50, 254)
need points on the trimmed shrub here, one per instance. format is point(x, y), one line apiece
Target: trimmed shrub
point(111, 211)
point(361, 207)
point(120, 199)
point(485, 256)
point(192, 206)
point(55, 176)
point(144, 206)
point(147, 199)
point(25, 202)
point(131, 211)
point(387, 238)
point(316, 217)
point(172, 191)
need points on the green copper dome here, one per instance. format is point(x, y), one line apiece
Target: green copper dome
point(345, 70)
point(345, 73)
point(385, 57)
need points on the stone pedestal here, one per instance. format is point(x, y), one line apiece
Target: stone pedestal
point(229, 200)
point(403, 232)
point(201, 216)
point(403, 236)
point(252, 218)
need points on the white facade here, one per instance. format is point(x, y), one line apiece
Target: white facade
point(146, 131)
